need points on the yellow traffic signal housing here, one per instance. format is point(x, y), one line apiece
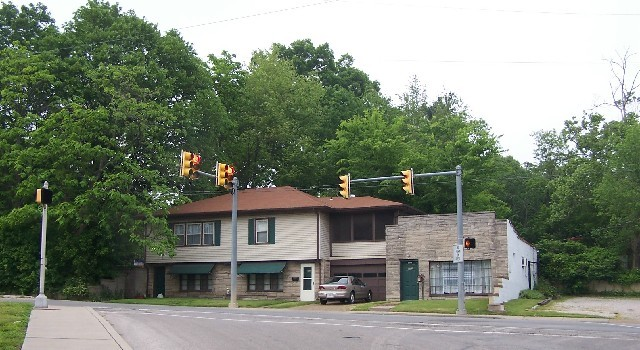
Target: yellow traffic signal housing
point(407, 181)
point(224, 175)
point(230, 171)
point(221, 174)
point(190, 164)
point(345, 186)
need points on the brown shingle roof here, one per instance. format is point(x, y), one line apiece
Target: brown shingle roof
point(284, 198)
point(358, 203)
point(271, 198)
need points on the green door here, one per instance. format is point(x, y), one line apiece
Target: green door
point(409, 280)
point(158, 281)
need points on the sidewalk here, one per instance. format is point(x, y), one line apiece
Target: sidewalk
point(70, 328)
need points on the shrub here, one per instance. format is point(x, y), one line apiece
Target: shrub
point(531, 294)
point(628, 277)
point(546, 288)
point(76, 289)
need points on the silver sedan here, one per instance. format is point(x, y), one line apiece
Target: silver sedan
point(345, 289)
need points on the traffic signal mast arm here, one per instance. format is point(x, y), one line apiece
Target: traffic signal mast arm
point(400, 177)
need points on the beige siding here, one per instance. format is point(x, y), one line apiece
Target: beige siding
point(295, 240)
point(325, 247)
point(359, 250)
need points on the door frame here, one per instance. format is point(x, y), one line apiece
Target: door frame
point(159, 278)
point(310, 282)
point(409, 279)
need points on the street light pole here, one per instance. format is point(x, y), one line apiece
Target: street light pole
point(41, 299)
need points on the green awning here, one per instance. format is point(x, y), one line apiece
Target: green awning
point(261, 267)
point(191, 269)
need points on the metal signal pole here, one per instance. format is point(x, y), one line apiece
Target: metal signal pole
point(461, 308)
point(41, 299)
point(233, 303)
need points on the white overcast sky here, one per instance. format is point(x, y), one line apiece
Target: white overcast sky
point(522, 66)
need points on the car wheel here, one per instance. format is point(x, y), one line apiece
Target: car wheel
point(369, 296)
point(352, 298)
point(323, 301)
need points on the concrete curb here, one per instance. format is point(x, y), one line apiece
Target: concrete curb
point(112, 332)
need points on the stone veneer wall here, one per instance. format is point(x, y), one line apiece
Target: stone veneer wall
point(432, 237)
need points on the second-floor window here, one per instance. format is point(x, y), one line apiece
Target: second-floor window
point(262, 231)
point(353, 227)
point(198, 233)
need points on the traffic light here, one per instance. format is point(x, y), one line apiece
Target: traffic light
point(469, 243)
point(190, 164)
point(407, 181)
point(229, 173)
point(221, 174)
point(224, 175)
point(44, 196)
point(345, 186)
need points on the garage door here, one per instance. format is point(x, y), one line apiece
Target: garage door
point(372, 272)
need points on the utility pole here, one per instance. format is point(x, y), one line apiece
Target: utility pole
point(41, 299)
point(233, 303)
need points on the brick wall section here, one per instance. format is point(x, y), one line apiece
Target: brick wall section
point(220, 281)
point(431, 238)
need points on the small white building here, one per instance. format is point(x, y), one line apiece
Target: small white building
point(419, 262)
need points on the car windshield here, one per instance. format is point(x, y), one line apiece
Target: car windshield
point(339, 280)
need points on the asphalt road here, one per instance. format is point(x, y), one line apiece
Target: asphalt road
point(149, 327)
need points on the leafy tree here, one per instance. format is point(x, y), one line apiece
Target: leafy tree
point(101, 111)
point(616, 196)
point(278, 113)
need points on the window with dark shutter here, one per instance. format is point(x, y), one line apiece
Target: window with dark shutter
point(251, 233)
point(217, 229)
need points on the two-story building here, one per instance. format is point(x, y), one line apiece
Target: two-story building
point(288, 243)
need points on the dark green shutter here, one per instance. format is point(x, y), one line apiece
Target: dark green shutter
point(272, 230)
point(251, 233)
point(216, 232)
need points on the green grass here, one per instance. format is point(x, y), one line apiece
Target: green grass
point(525, 307)
point(14, 318)
point(444, 306)
point(473, 306)
point(205, 302)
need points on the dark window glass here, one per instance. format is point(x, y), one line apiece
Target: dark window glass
point(340, 228)
point(194, 283)
point(363, 227)
point(263, 282)
point(383, 219)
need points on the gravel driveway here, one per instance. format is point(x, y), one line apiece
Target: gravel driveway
point(622, 309)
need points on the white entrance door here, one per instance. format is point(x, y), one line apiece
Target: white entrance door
point(307, 287)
